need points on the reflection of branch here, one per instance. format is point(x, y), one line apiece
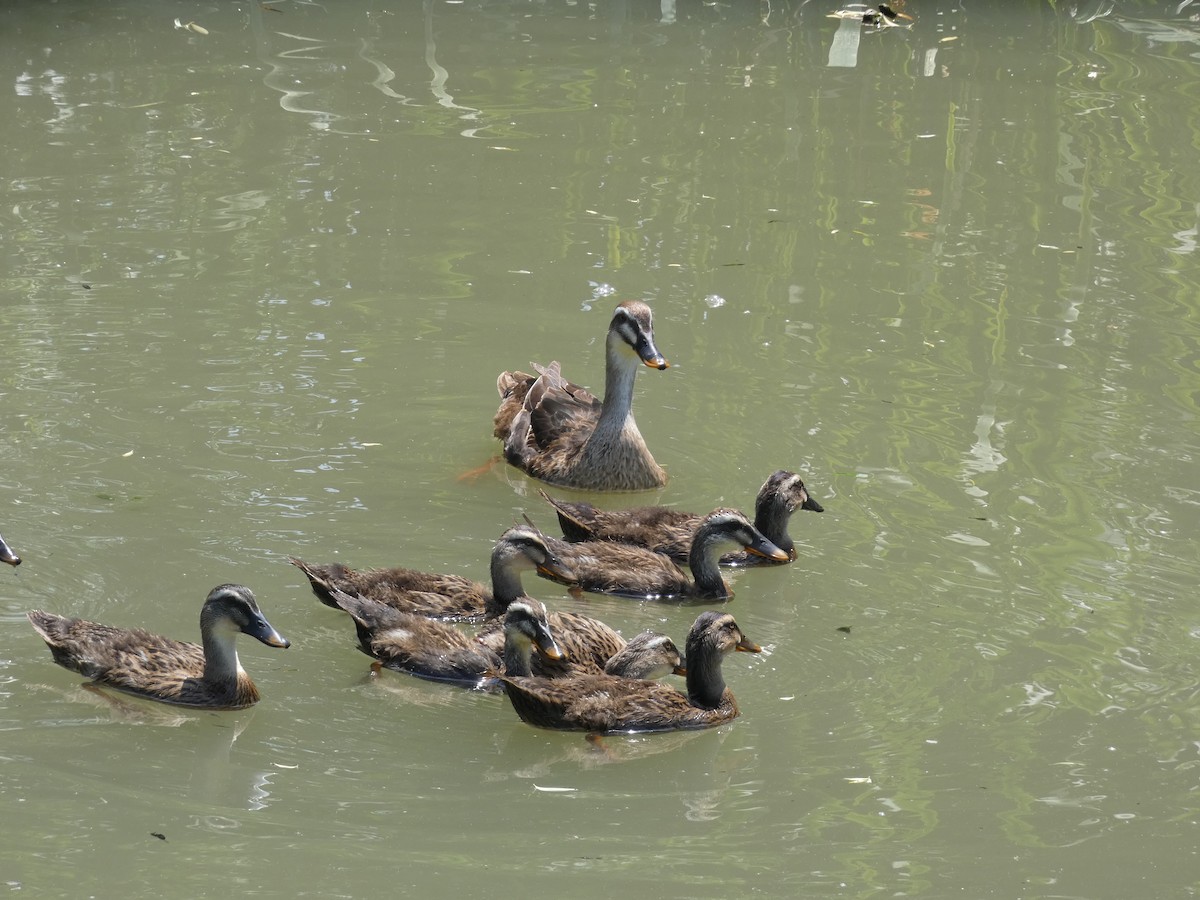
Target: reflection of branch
point(441, 76)
point(277, 78)
point(385, 75)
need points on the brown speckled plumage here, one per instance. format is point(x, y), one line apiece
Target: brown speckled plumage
point(608, 567)
point(587, 644)
point(559, 432)
point(447, 597)
point(139, 662)
point(606, 703)
point(670, 531)
point(648, 656)
point(441, 652)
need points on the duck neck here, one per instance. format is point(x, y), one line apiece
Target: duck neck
point(506, 586)
point(620, 370)
point(771, 518)
point(702, 560)
point(705, 683)
point(518, 654)
point(221, 662)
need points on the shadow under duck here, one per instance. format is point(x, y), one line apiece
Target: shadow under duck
point(607, 567)
point(447, 597)
point(7, 555)
point(670, 531)
point(439, 651)
point(606, 703)
point(139, 662)
point(559, 432)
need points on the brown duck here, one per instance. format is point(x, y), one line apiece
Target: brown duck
point(607, 567)
point(138, 662)
point(560, 433)
point(448, 597)
point(587, 644)
point(670, 531)
point(439, 651)
point(606, 703)
point(649, 656)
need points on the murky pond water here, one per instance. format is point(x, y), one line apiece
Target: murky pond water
point(258, 278)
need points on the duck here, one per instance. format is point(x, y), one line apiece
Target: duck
point(882, 16)
point(437, 596)
point(7, 555)
point(587, 644)
point(208, 675)
point(607, 703)
point(670, 531)
point(438, 651)
point(606, 567)
point(648, 656)
point(561, 434)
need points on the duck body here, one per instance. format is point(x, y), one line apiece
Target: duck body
point(607, 703)
point(560, 433)
point(608, 567)
point(430, 594)
point(671, 532)
point(160, 668)
point(447, 597)
point(7, 555)
point(437, 650)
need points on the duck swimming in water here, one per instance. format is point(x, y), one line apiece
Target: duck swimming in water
point(557, 431)
point(607, 567)
point(437, 596)
point(607, 703)
point(138, 662)
point(671, 531)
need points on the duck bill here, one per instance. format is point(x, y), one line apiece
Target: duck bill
point(558, 571)
point(679, 669)
point(7, 556)
point(811, 505)
point(764, 548)
point(649, 354)
point(745, 645)
point(550, 649)
point(263, 631)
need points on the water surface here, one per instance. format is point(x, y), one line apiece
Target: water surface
point(258, 281)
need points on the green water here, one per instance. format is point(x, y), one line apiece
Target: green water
point(255, 289)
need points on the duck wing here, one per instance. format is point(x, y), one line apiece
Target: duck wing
point(414, 644)
point(606, 703)
point(430, 594)
point(131, 659)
